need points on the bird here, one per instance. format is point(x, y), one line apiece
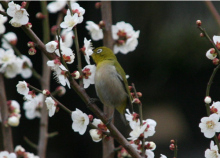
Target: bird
point(111, 84)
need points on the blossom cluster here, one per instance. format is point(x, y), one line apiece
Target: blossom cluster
point(33, 103)
point(123, 33)
point(14, 113)
point(19, 151)
point(211, 53)
point(10, 64)
point(209, 127)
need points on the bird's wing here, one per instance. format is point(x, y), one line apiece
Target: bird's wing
point(122, 76)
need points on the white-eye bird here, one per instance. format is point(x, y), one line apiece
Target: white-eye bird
point(110, 80)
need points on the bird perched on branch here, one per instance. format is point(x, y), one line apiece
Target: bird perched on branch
point(110, 80)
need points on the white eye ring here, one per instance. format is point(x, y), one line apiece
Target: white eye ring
point(99, 50)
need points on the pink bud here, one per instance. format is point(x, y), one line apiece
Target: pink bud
point(172, 147)
point(30, 44)
point(54, 30)
point(46, 92)
point(76, 74)
point(102, 24)
point(215, 61)
point(136, 101)
point(90, 118)
point(32, 51)
point(23, 4)
point(139, 94)
point(29, 25)
point(201, 35)
point(98, 5)
point(61, 90)
point(198, 23)
point(40, 15)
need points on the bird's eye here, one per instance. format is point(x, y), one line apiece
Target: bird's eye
point(99, 50)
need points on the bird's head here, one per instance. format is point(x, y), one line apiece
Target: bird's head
point(103, 53)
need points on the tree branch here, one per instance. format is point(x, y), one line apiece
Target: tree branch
point(6, 130)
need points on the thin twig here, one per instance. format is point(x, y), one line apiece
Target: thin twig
point(141, 118)
point(30, 143)
point(213, 10)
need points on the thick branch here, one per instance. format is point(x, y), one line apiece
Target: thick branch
point(106, 10)
point(45, 84)
point(6, 131)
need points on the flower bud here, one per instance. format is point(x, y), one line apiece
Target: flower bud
point(198, 23)
point(30, 44)
point(90, 118)
point(32, 51)
point(96, 135)
point(136, 101)
point(207, 100)
point(172, 147)
point(46, 92)
point(130, 88)
point(40, 15)
point(61, 90)
point(201, 35)
point(23, 4)
point(102, 24)
point(139, 94)
point(29, 25)
point(13, 121)
point(76, 74)
point(172, 141)
point(53, 29)
point(215, 61)
point(150, 145)
point(98, 5)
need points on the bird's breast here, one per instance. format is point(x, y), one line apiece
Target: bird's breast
point(108, 86)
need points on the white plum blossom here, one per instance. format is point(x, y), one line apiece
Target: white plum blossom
point(3, 19)
point(67, 53)
point(14, 120)
point(131, 118)
point(216, 40)
point(19, 15)
point(210, 125)
point(67, 37)
point(95, 31)
point(56, 65)
point(56, 6)
point(215, 108)
point(69, 21)
point(80, 121)
point(22, 88)
point(33, 106)
point(125, 36)
point(87, 50)
point(150, 129)
point(6, 58)
point(16, 106)
point(210, 54)
point(51, 46)
point(78, 10)
point(61, 77)
point(14, 68)
point(137, 131)
point(96, 135)
point(162, 156)
point(149, 153)
point(6, 154)
point(10, 37)
point(51, 106)
point(96, 122)
point(88, 75)
point(19, 148)
point(31, 155)
point(208, 100)
point(26, 72)
point(212, 152)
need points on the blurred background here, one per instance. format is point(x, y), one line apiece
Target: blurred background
point(169, 67)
